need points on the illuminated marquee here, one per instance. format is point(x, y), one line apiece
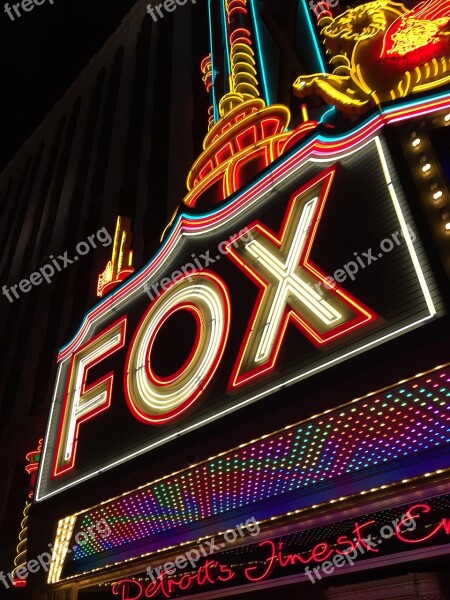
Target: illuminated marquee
point(380, 534)
point(388, 427)
point(400, 530)
point(246, 312)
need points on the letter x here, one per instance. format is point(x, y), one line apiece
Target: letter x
point(282, 269)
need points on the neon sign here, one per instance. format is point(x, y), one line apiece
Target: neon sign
point(287, 277)
point(237, 320)
point(417, 512)
point(275, 557)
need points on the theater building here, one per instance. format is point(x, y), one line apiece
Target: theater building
point(260, 406)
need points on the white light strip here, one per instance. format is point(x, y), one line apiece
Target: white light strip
point(405, 231)
point(287, 276)
point(80, 408)
point(47, 433)
point(158, 399)
point(59, 553)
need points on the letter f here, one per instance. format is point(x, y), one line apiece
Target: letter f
point(81, 402)
point(8, 12)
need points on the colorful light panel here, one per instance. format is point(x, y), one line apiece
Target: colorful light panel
point(395, 423)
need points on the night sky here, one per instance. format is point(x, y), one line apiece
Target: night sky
point(42, 53)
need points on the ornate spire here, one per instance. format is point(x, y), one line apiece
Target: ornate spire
point(248, 135)
point(31, 468)
point(243, 81)
point(120, 265)
point(206, 68)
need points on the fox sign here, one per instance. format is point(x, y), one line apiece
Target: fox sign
point(317, 261)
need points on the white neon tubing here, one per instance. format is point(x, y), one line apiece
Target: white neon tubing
point(151, 398)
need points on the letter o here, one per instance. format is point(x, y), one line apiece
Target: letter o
point(223, 246)
point(234, 536)
point(153, 399)
point(390, 533)
point(391, 245)
point(86, 248)
point(78, 538)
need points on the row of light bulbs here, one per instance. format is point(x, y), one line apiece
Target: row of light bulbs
point(427, 169)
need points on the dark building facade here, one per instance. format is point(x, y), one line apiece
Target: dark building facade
point(108, 137)
point(257, 400)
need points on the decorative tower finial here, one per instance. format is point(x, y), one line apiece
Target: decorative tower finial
point(243, 79)
point(120, 265)
point(247, 136)
point(206, 68)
